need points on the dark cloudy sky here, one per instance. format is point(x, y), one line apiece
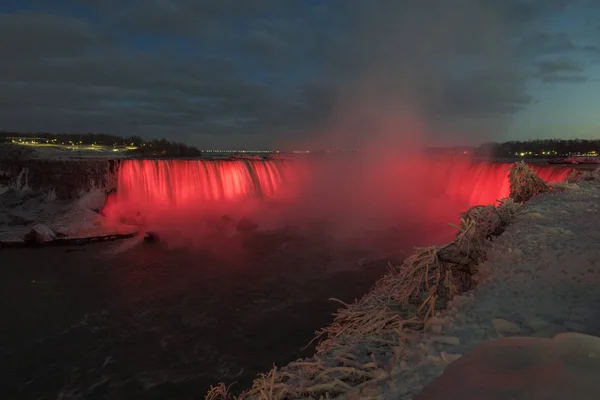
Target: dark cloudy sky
point(256, 73)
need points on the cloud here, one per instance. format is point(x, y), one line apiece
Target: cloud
point(446, 61)
point(184, 17)
point(259, 71)
point(527, 11)
point(544, 42)
point(35, 35)
point(471, 95)
point(539, 46)
point(560, 70)
point(65, 75)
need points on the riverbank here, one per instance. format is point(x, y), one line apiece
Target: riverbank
point(542, 278)
point(524, 288)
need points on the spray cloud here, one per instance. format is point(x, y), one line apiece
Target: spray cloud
point(409, 74)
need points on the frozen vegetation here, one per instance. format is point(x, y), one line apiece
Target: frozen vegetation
point(542, 279)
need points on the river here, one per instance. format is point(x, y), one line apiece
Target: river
point(117, 321)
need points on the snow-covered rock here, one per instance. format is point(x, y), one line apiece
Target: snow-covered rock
point(12, 238)
point(53, 219)
point(92, 200)
point(521, 368)
point(40, 234)
point(449, 340)
point(504, 326)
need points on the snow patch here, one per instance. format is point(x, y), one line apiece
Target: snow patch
point(40, 234)
point(22, 181)
point(92, 200)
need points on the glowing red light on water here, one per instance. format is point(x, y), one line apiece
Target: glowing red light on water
point(175, 196)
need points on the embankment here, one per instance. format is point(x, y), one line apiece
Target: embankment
point(396, 339)
point(541, 283)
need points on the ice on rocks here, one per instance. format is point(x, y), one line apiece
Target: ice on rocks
point(575, 327)
point(40, 234)
point(537, 324)
point(92, 200)
point(523, 368)
point(24, 212)
point(550, 331)
point(449, 340)
point(449, 358)
point(504, 326)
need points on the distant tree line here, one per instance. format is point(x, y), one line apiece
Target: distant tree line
point(540, 148)
point(165, 148)
point(162, 148)
point(144, 148)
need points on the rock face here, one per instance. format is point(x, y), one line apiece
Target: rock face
point(523, 368)
point(40, 234)
point(66, 178)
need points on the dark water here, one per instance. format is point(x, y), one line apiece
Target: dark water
point(149, 322)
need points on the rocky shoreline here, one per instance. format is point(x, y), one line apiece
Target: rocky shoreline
point(541, 279)
point(30, 217)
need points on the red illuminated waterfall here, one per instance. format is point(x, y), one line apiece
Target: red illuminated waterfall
point(160, 186)
point(484, 183)
point(177, 183)
point(169, 192)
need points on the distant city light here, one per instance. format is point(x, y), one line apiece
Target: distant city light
point(124, 147)
point(238, 151)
